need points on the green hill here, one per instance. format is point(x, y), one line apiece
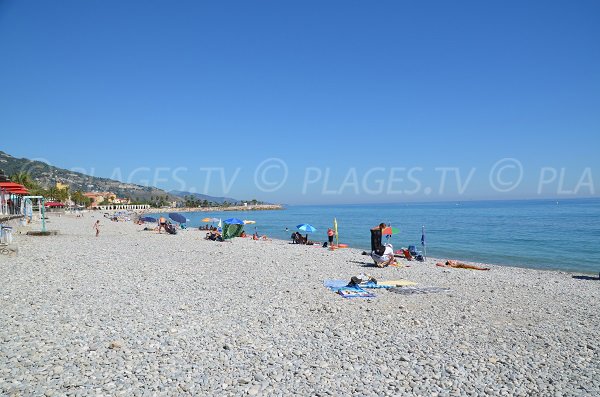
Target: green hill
point(47, 176)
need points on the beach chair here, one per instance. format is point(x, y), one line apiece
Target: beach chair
point(413, 250)
point(6, 241)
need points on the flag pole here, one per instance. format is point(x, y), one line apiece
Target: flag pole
point(423, 242)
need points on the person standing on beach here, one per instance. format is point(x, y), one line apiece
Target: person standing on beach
point(97, 227)
point(330, 236)
point(162, 223)
point(376, 234)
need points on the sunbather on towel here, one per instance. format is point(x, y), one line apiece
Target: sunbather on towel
point(460, 265)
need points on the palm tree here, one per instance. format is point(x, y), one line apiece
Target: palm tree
point(63, 194)
point(80, 199)
point(24, 179)
point(52, 193)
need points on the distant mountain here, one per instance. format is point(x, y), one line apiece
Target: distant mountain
point(47, 176)
point(199, 196)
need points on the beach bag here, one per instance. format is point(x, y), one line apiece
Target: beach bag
point(362, 279)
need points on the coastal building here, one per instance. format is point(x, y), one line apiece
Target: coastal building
point(105, 199)
point(11, 197)
point(61, 186)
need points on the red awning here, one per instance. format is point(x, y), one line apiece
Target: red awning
point(54, 204)
point(8, 185)
point(19, 192)
point(15, 189)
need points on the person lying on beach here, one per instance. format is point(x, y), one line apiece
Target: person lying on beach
point(214, 236)
point(460, 265)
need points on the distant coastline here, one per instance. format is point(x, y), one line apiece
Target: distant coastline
point(257, 207)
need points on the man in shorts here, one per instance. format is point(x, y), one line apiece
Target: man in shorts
point(162, 224)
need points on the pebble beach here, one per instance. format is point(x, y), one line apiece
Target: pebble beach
point(137, 313)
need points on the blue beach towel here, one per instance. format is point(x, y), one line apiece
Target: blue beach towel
point(371, 284)
point(334, 285)
point(341, 287)
point(354, 292)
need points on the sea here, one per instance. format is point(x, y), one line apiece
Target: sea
point(541, 234)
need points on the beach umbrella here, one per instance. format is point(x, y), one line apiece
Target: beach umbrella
point(249, 222)
point(305, 227)
point(234, 221)
point(388, 231)
point(177, 217)
point(148, 219)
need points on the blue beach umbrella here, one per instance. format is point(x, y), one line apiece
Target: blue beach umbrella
point(305, 227)
point(148, 219)
point(234, 221)
point(177, 217)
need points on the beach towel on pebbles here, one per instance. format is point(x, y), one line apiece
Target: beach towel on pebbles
point(396, 283)
point(418, 290)
point(354, 292)
point(342, 288)
point(334, 285)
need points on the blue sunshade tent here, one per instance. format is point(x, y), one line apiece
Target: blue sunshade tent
point(148, 219)
point(234, 221)
point(305, 227)
point(177, 217)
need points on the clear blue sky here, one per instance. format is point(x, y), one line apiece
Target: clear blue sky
point(368, 90)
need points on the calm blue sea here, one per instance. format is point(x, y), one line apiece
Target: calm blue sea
point(540, 234)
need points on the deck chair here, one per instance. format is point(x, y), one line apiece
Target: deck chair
point(413, 250)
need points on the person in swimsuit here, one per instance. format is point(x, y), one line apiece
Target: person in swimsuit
point(162, 224)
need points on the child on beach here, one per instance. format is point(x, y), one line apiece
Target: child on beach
point(96, 227)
